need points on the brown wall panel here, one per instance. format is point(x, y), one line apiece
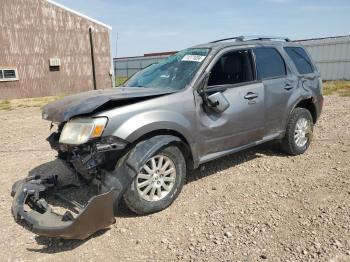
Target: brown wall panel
point(32, 32)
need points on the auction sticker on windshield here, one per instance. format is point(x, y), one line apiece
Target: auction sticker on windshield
point(193, 58)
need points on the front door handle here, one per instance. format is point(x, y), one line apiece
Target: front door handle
point(251, 96)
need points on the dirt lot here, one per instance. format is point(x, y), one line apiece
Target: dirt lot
point(259, 205)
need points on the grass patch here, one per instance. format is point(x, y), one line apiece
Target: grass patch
point(345, 93)
point(340, 87)
point(329, 87)
point(27, 102)
point(5, 105)
point(120, 80)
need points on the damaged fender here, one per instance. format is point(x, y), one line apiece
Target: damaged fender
point(123, 175)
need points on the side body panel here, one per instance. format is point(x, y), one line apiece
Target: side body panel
point(308, 87)
point(281, 93)
point(210, 135)
point(240, 124)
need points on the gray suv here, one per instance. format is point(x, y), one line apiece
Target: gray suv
point(137, 142)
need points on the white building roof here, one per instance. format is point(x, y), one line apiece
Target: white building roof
point(79, 14)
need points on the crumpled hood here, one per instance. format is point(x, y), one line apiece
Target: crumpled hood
point(88, 102)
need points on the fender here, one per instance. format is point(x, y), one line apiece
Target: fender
point(143, 123)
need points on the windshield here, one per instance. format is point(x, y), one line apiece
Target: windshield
point(175, 72)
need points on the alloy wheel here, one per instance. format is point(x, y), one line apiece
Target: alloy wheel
point(156, 178)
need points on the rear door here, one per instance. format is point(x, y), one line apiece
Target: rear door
point(279, 85)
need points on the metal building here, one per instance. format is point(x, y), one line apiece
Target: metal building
point(49, 49)
point(124, 67)
point(332, 57)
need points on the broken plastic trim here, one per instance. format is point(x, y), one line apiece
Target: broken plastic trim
point(98, 213)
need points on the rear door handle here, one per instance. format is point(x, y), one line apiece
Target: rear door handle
point(251, 96)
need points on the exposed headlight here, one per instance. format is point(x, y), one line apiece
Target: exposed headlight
point(78, 131)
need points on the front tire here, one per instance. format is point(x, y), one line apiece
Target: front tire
point(298, 133)
point(158, 182)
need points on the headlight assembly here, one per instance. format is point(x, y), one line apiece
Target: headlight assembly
point(78, 131)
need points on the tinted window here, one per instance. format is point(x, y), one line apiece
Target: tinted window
point(301, 59)
point(232, 68)
point(269, 63)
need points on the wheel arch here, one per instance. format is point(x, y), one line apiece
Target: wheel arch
point(306, 103)
point(310, 106)
point(182, 143)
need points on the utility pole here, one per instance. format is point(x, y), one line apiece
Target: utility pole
point(114, 65)
point(92, 59)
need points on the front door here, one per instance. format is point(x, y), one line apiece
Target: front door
point(233, 74)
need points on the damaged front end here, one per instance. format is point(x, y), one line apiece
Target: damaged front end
point(92, 157)
point(91, 165)
point(105, 165)
point(42, 220)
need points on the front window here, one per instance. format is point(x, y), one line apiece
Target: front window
point(235, 67)
point(174, 73)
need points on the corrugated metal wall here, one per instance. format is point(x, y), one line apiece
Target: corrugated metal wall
point(126, 67)
point(332, 56)
point(32, 32)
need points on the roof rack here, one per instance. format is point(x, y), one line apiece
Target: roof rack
point(252, 38)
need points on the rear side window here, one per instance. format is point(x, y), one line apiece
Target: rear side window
point(269, 63)
point(301, 59)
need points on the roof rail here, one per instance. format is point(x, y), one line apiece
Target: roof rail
point(237, 38)
point(253, 38)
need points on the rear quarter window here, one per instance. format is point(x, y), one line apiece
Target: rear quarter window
point(269, 63)
point(301, 59)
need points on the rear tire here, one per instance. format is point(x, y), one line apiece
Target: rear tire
point(158, 183)
point(298, 133)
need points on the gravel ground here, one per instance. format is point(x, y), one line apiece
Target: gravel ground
point(258, 205)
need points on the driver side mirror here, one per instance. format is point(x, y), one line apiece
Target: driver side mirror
point(218, 102)
point(215, 101)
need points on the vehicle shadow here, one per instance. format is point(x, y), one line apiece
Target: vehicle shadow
point(235, 159)
point(56, 245)
point(215, 166)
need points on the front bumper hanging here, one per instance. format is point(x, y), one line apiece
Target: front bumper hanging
point(97, 214)
point(30, 206)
